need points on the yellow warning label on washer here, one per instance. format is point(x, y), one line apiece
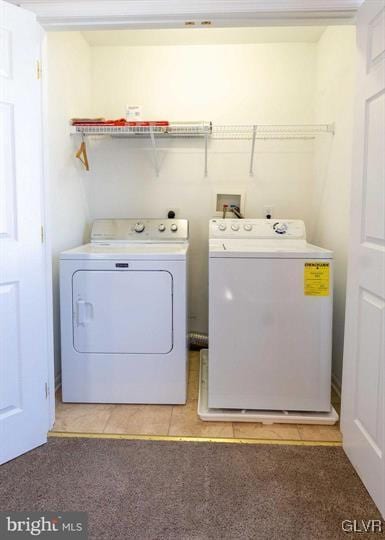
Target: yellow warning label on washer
point(316, 279)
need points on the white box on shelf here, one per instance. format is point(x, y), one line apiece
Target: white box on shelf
point(133, 113)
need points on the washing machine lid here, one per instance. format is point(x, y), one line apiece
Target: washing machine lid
point(267, 249)
point(131, 251)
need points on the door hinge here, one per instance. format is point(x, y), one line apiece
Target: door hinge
point(46, 390)
point(42, 234)
point(38, 70)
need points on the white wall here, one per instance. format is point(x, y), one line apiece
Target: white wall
point(335, 84)
point(263, 83)
point(68, 94)
point(271, 82)
point(244, 83)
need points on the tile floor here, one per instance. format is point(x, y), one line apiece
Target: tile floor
point(178, 420)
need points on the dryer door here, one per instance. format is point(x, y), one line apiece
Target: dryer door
point(122, 312)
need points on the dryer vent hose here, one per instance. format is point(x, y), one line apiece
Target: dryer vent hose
point(197, 340)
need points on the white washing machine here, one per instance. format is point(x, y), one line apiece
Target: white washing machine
point(270, 317)
point(124, 313)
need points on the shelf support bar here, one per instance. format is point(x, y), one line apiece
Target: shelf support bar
point(156, 163)
point(206, 144)
point(251, 170)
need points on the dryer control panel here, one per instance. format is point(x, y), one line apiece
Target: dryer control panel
point(293, 229)
point(139, 230)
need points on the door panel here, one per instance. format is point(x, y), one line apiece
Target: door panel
point(376, 36)
point(363, 388)
point(374, 163)
point(23, 328)
point(122, 312)
point(7, 171)
point(10, 382)
point(370, 324)
point(6, 54)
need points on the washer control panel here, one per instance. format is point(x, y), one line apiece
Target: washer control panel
point(257, 228)
point(139, 230)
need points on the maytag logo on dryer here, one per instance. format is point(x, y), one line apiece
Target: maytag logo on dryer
point(15, 525)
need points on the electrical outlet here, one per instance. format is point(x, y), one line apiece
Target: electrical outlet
point(268, 211)
point(175, 210)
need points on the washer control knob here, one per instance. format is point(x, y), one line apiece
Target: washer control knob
point(222, 226)
point(139, 227)
point(280, 227)
point(174, 227)
point(162, 227)
point(248, 227)
point(235, 227)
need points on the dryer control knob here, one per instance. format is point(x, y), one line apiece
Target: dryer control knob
point(174, 227)
point(280, 227)
point(248, 227)
point(139, 227)
point(235, 227)
point(222, 226)
point(162, 227)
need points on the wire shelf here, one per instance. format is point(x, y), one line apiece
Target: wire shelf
point(175, 129)
point(264, 131)
point(207, 130)
point(200, 129)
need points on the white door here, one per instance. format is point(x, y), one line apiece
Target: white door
point(122, 312)
point(363, 389)
point(23, 333)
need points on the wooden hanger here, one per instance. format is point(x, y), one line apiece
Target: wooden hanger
point(82, 155)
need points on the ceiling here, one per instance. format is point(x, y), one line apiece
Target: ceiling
point(204, 36)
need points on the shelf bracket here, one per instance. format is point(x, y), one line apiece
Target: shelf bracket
point(251, 170)
point(206, 145)
point(82, 154)
point(154, 151)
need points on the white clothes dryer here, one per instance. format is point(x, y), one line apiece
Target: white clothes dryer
point(124, 313)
